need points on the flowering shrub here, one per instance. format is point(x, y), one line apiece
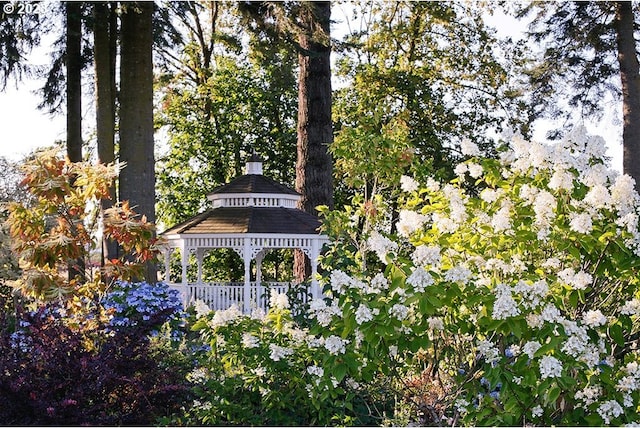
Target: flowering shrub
point(57, 369)
point(515, 303)
point(141, 303)
point(264, 369)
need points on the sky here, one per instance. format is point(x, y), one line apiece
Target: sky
point(25, 128)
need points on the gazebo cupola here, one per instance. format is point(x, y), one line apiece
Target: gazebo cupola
point(251, 214)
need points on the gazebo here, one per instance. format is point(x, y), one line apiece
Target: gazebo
point(251, 215)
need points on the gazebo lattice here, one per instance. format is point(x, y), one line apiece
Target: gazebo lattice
point(251, 215)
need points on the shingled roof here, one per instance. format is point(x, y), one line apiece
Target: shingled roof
point(253, 183)
point(249, 220)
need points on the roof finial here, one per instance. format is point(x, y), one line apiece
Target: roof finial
point(254, 164)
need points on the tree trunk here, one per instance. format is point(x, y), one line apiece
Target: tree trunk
point(137, 178)
point(630, 76)
point(73, 64)
point(315, 132)
point(104, 35)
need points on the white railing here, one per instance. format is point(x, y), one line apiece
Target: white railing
point(222, 295)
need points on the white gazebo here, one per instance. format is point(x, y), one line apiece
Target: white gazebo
point(251, 215)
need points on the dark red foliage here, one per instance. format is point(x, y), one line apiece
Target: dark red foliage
point(51, 374)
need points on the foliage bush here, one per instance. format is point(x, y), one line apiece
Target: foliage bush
point(513, 304)
point(61, 369)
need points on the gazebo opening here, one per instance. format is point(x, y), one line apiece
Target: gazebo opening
point(257, 219)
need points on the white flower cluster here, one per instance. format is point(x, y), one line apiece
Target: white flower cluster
point(250, 341)
point(225, 317)
point(589, 394)
point(409, 222)
point(594, 318)
point(381, 245)
point(631, 307)
point(458, 273)
point(504, 305)
point(420, 279)
point(364, 314)
point(550, 367)
point(488, 350)
point(279, 300)
point(399, 311)
point(424, 255)
point(335, 345)
point(276, 353)
point(408, 184)
point(323, 312)
point(609, 410)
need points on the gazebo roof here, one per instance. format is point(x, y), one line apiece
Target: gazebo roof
point(226, 220)
point(249, 204)
point(253, 183)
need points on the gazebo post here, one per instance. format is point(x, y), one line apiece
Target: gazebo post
point(185, 262)
point(246, 255)
point(200, 256)
point(259, 258)
point(315, 292)
point(167, 265)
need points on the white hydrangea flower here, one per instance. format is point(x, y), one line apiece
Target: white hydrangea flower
point(420, 279)
point(279, 300)
point(315, 371)
point(594, 318)
point(323, 312)
point(363, 314)
point(408, 184)
point(435, 323)
point(544, 207)
point(225, 317)
point(377, 284)
point(250, 341)
point(550, 367)
point(201, 308)
point(458, 273)
point(276, 353)
point(460, 170)
point(393, 351)
point(399, 311)
point(537, 411)
point(581, 223)
point(598, 197)
point(410, 221)
point(426, 255)
point(501, 220)
point(381, 245)
point(469, 148)
point(335, 345)
point(631, 307)
point(551, 313)
point(610, 409)
point(504, 306)
point(339, 281)
point(627, 384)
point(589, 394)
point(488, 351)
point(474, 169)
point(530, 348)
point(490, 195)
point(561, 180)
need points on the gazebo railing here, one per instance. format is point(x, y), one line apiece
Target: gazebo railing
point(222, 295)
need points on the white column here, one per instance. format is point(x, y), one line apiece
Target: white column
point(246, 256)
point(200, 256)
point(185, 262)
point(259, 258)
point(315, 287)
point(167, 265)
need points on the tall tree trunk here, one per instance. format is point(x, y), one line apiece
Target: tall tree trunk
point(137, 178)
point(630, 76)
point(73, 64)
point(104, 36)
point(315, 132)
